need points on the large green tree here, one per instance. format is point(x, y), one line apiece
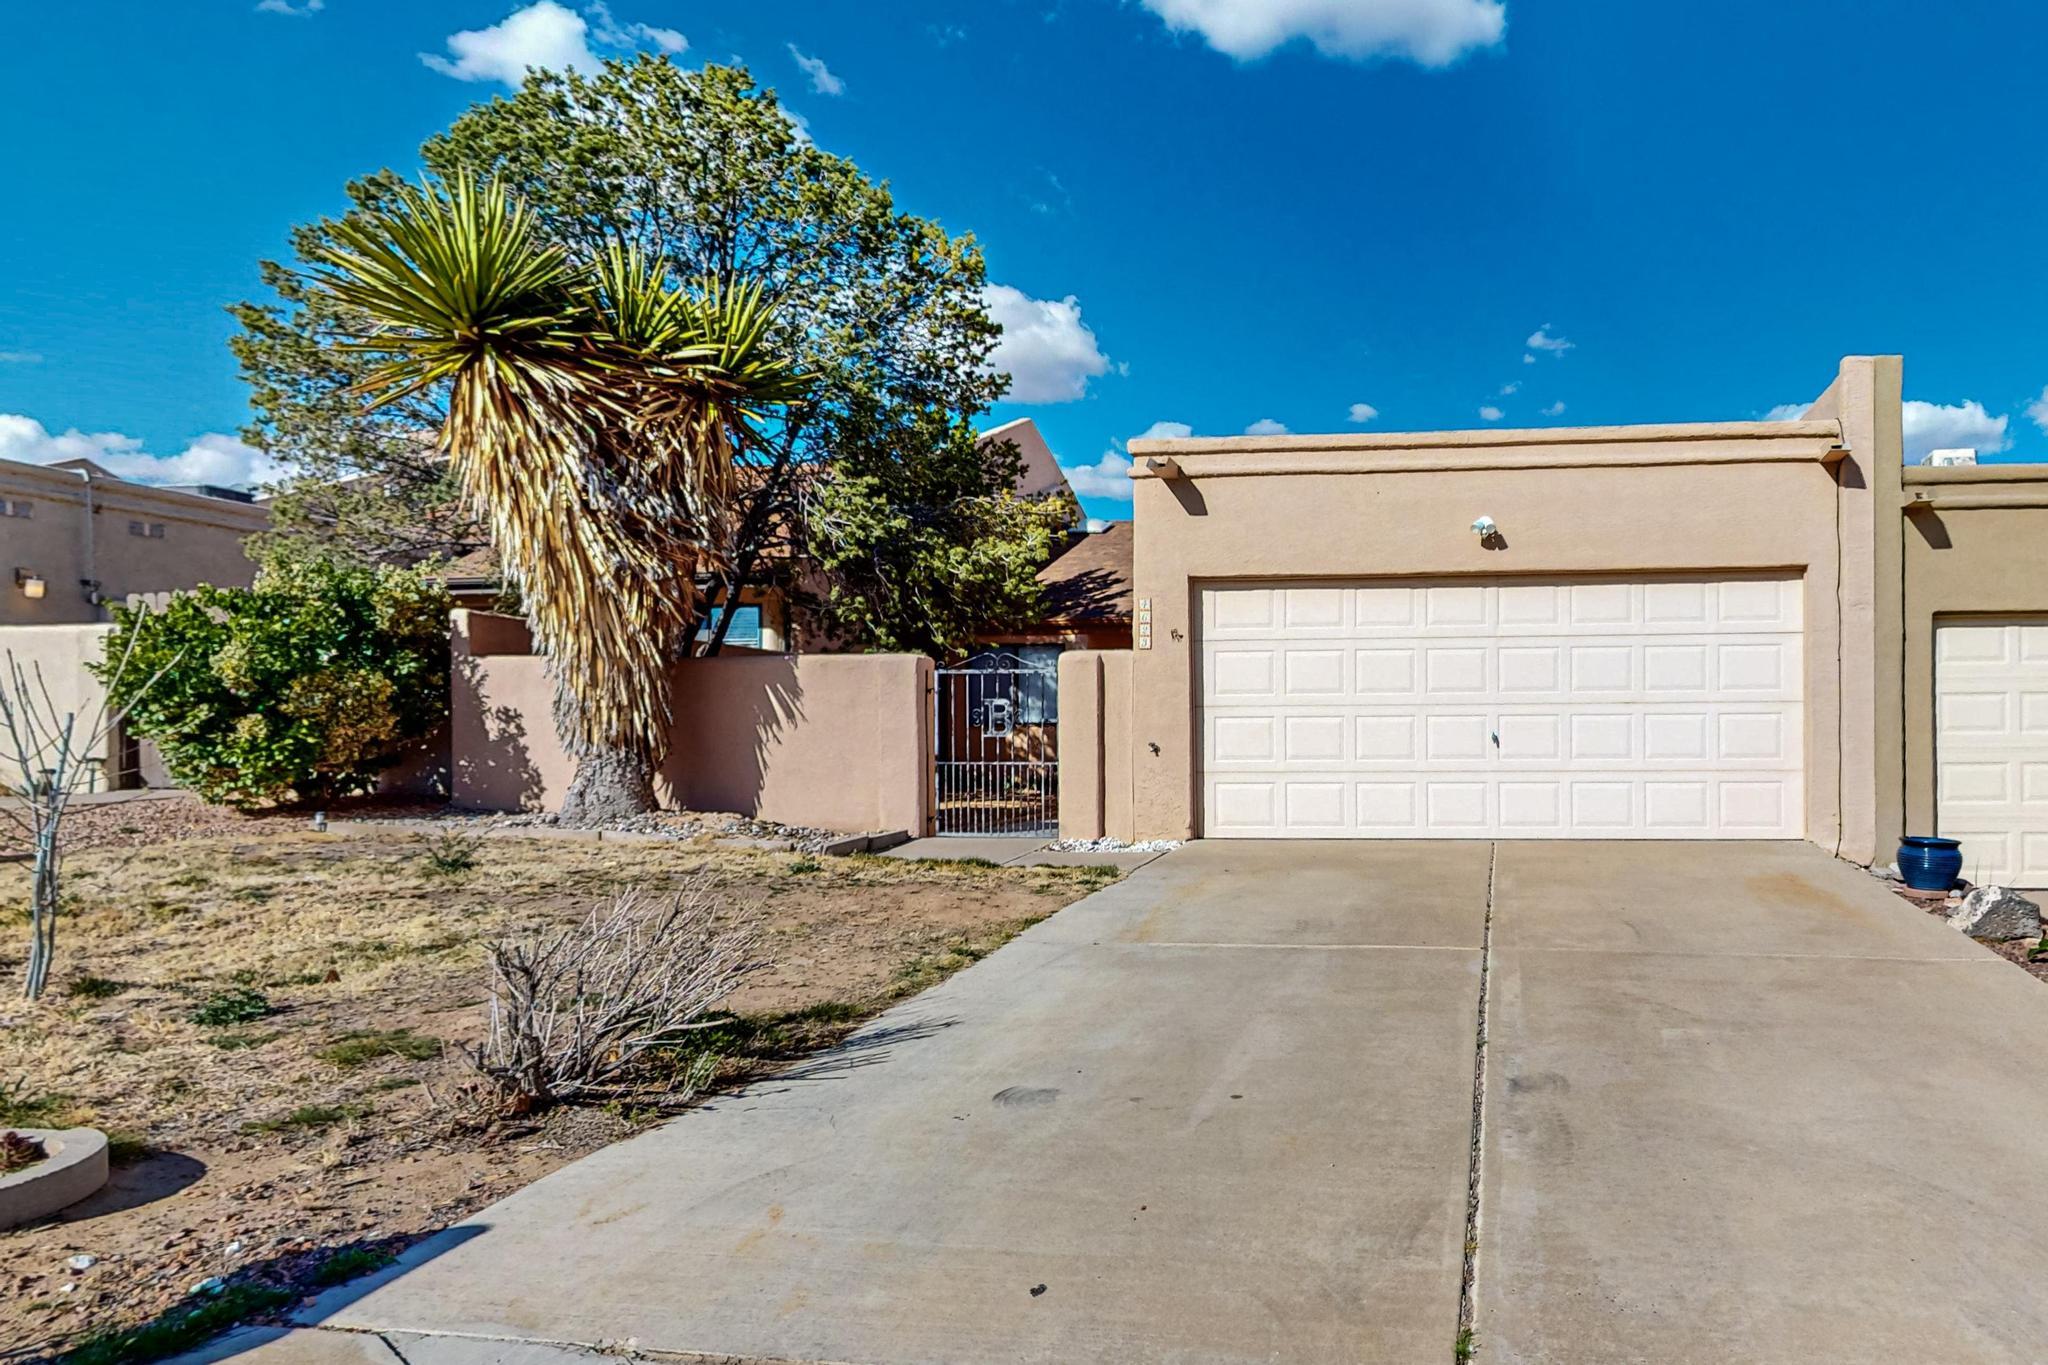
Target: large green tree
point(706, 174)
point(923, 540)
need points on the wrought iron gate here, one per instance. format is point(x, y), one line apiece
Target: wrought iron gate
point(995, 736)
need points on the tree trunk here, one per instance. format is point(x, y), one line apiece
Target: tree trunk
point(611, 784)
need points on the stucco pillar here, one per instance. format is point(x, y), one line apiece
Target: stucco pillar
point(1865, 400)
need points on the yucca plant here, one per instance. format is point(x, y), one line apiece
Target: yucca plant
point(594, 413)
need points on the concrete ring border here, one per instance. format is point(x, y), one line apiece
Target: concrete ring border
point(75, 1167)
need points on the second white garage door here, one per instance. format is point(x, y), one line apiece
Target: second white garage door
point(1991, 747)
point(1666, 708)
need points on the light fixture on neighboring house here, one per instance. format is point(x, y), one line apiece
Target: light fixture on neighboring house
point(32, 585)
point(1485, 528)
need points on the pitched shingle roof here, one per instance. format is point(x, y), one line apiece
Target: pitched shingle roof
point(1090, 582)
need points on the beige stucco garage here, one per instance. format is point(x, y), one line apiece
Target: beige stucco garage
point(1677, 631)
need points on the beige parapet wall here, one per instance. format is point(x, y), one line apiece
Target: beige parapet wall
point(832, 741)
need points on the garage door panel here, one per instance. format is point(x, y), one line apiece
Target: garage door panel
point(1457, 606)
point(1991, 746)
point(1570, 708)
point(1314, 609)
point(1386, 739)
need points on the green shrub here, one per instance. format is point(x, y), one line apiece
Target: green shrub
point(93, 987)
point(235, 1005)
point(452, 853)
point(306, 685)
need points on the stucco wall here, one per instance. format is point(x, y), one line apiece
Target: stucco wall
point(1095, 744)
point(201, 543)
point(55, 657)
point(833, 741)
point(1963, 556)
point(1646, 500)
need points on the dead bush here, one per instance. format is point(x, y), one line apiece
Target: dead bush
point(572, 1008)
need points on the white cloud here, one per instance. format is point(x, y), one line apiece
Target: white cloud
point(1786, 412)
point(1528, 359)
point(1542, 340)
point(21, 357)
point(1266, 426)
point(1428, 32)
point(1110, 476)
point(544, 34)
point(1363, 412)
point(1510, 390)
point(612, 33)
point(298, 9)
point(822, 79)
point(1935, 426)
point(1491, 413)
point(1555, 409)
point(212, 458)
point(1048, 352)
point(2037, 410)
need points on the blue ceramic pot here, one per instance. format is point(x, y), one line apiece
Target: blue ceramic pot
point(1929, 864)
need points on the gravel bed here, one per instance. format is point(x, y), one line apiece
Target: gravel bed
point(680, 824)
point(1113, 846)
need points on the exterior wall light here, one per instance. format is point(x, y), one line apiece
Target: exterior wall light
point(32, 585)
point(1484, 527)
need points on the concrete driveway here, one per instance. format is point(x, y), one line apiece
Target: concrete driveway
point(1739, 1104)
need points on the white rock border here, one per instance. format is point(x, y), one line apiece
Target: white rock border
point(74, 1167)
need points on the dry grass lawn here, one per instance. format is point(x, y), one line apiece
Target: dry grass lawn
point(265, 1021)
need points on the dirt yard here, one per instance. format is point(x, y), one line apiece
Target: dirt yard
point(264, 1020)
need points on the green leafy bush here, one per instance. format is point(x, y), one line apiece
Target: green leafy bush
point(235, 1005)
point(306, 685)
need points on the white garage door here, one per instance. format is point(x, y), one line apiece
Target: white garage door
point(1512, 708)
point(1991, 747)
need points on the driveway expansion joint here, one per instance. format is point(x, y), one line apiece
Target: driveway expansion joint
point(1468, 1283)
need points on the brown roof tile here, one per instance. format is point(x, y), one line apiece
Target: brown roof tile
point(1091, 580)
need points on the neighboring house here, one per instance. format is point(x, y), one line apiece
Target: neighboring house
point(74, 538)
point(1748, 630)
point(1041, 473)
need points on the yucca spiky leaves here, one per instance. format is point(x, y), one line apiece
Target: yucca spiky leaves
point(593, 415)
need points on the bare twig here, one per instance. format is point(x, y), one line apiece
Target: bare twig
point(571, 1009)
point(44, 753)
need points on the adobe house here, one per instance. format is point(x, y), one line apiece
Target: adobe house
point(1754, 630)
point(74, 537)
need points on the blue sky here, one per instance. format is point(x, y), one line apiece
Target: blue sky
point(1327, 215)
